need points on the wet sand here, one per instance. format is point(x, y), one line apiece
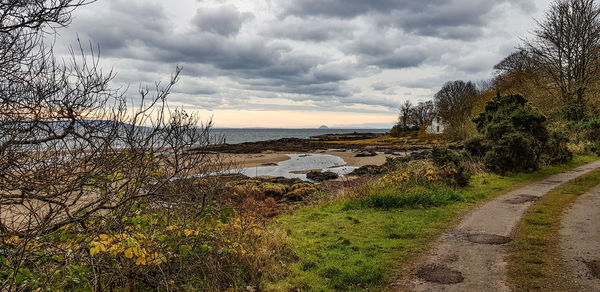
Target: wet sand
point(351, 160)
point(254, 160)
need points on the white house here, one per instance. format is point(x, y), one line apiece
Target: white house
point(436, 127)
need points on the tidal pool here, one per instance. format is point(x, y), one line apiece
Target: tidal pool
point(299, 163)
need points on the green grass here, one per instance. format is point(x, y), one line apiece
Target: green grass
point(390, 196)
point(350, 245)
point(533, 264)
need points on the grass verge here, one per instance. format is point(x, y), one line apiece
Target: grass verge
point(533, 264)
point(350, 245)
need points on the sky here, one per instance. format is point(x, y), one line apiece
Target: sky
point(301, 63)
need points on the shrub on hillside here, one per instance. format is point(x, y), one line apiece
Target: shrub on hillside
point(589, 133)
point(452, 166)
point(400, 131)
point(514, 137)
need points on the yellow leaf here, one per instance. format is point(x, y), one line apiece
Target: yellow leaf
point(93, 250)
point(140, 261)
point(103, 236)
point(129, 253)
point(12, 240)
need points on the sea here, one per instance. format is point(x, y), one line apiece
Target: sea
point(236, 136)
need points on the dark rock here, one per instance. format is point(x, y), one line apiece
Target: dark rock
point(365, 154)
point(319, 176)
point(368, 170)
point(420, 155)
point(346, 137)
point(283, 180)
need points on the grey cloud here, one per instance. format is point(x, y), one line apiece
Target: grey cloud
point(387, 102)
point(308, 53)
point(424, 83)
point(390, 52)
point(454, 19)
point(379, 86)
point(225, 20)
point(350, 8)
point(450, 19)
point(310, 29)
point(189, 86)
point(389, 91)
point(206, 102)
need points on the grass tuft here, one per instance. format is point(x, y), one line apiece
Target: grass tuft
point(392, 197)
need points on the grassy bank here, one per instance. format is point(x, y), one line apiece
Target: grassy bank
point(533, 262)
point(357, 244)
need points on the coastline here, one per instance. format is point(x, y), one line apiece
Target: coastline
point(271, 158)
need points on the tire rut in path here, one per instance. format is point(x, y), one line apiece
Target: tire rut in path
point(580, 241)
point(475, 250)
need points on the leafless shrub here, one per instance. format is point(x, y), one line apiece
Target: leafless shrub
point(80, 161)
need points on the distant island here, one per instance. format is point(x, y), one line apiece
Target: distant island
point(323, 127)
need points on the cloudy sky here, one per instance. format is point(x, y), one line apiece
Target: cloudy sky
point(302, 63)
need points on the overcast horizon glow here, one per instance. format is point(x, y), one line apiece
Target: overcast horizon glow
point(301, 64)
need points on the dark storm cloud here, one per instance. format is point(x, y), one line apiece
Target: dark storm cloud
point(312, 51)
point(224, 20)
point(310, 29)
point(455, 19)
point(450, 19)
point(210, 50)
point(195, 88)
point(350, 8)
point(392, 51)
point(158, 43)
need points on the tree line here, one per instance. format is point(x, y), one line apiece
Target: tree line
point(557, 68)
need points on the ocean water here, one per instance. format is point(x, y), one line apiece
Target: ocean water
point(235, 136)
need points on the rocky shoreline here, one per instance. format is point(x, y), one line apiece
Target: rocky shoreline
point(358, 142)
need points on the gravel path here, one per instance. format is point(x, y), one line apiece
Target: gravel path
point(580, 241)
point(471, 257)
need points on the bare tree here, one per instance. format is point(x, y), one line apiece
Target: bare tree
point(454, 103)
point(566, 49)
point(70, 146)
point(516, 62)
point(405, 112)
point(423, 114)
point(81, 161)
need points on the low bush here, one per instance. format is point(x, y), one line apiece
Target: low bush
point(445, 166)
point(452, 165)
point(153, 247)
point(514, 137)
point(399, 131)
point(394, 197)
point(588, 133)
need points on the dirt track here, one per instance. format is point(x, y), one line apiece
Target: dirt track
point(580, 241)
point(471, 257)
